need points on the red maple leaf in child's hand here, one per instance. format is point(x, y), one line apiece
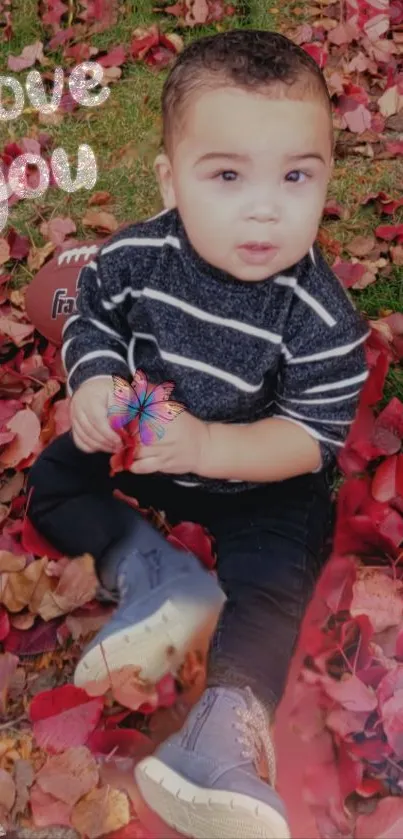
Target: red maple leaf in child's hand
point(125, 456)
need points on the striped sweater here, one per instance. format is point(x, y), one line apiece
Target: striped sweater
point(289, 346)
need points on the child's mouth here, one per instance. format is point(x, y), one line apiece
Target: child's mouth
point(256, 252)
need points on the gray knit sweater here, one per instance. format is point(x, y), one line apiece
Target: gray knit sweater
point(290, 346)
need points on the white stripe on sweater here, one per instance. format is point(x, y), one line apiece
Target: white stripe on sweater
point(307, 298)
point(194, 311)
point(353, 380)
point(318, 401)
point(99, 325)
point(194, 364)
point(91, 356)
point(201, 314)
point(115, 299)
point(143, 242)
point(69, 321)
point(313, 419)
point(63, 352)
point(336, 352)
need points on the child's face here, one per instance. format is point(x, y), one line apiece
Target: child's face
point(274, 194)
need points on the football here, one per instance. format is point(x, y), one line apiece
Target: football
point(51, 296)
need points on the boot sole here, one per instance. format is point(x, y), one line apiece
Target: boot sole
point(206, 813)
point(145, 651)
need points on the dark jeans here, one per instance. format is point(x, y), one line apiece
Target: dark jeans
point(269, 543)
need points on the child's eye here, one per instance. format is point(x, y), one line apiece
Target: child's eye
point(223, 172)
point(294, 176)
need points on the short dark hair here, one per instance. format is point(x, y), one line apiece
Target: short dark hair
point(252, 59)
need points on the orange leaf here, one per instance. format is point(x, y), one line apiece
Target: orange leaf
point(76, 587)
point(101, 811)
point(18, 332)
point(70, 775)
point(26, 587)
point(25, 424)
point(100, 220)
point(8, 666)
point(11, 562)
point(7, 791)
point(379, 597)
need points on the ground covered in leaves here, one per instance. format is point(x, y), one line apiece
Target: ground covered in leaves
point(66, 758)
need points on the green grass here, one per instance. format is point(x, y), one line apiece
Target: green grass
point(130, 120)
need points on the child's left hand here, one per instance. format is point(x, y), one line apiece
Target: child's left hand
point(182, 449)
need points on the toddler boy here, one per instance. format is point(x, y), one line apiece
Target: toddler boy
point(226, 294)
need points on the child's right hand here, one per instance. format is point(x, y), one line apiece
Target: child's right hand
point(89, 418)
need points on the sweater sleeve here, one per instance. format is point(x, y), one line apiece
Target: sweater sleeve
point(324, 364)
point(96, 339)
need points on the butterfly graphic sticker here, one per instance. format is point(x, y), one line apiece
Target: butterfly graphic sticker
point(149, 404)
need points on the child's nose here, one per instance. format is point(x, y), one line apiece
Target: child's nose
point(265, 206)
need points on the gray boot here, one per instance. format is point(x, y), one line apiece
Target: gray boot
point(204, 780)
point(166, 597)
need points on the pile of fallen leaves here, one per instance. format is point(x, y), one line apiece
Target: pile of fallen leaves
point(62, 750)
point(349, 699)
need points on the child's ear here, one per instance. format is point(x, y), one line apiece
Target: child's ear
point(163, 171)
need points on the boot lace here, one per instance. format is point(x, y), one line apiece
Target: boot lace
point(255, 735)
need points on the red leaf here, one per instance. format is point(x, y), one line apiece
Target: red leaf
point(64, 717)
point(8, 409)
point(369, 787)
point(141, 45)
point(354, 115)
point(391, 418)
point(318, 52)
point(115, 58)
point(350, 771)
point(384, 480)
point(349, 272)
point(392, 719)
point(336, 583)
point(125, 456)
point(57, 229)
point(194, 538)
point(165, 698)
point(41, 638)
point(389, 231)
point(333, 209)
point(134, 830)
point(4, 624)
point(392, 528)
point(384, 202)
point(19, 245)
point(395, 147)
point(373, 749)
point(399, 475)
point(33, 542)
point(123, 742)
point(351, 693)
point(392, 682)
point(30, 54)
